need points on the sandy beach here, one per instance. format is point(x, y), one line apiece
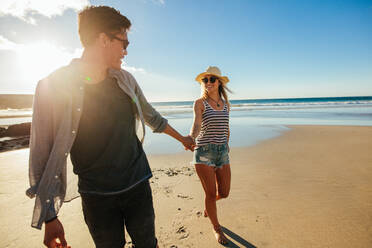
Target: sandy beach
point(310, 187)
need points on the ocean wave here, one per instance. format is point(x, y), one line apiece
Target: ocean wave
point(327, 103)
point(15, 113)
point(171, 109)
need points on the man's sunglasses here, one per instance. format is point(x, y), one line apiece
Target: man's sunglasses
point(211, 79)
point(125, 42)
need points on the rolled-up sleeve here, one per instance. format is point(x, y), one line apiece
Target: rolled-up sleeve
point(152, 117)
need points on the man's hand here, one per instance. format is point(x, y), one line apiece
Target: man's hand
point(188, 142)
point(54, 236)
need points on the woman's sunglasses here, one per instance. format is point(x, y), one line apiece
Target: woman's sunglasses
point(211, 80)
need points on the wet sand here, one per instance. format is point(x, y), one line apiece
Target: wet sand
point(310, 187)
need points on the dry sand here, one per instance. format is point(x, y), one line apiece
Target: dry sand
point(310, 187)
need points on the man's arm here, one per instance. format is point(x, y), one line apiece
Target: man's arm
point(41, 140)
point(41, 143)
point(41, 137)
point(152, 117)
point(187, 141)
point(157, 123)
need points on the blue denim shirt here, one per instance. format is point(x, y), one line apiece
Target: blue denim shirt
point(57, 108)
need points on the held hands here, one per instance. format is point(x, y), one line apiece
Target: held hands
point(188, 142)
point(54, 236)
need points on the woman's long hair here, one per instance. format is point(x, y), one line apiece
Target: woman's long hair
point(222, 92)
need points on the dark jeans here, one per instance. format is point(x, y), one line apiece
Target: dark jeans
point(106, 217)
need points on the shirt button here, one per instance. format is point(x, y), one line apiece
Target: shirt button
point(56, 177)
point(78, 109)
point(66, 154)
point(73, 132)
point(47, 201)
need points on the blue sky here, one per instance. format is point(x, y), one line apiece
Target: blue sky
point(268, 49)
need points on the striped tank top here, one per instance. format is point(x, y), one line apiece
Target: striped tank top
point(214, 127)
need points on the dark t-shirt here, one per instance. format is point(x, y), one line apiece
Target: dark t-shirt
point(107, 155)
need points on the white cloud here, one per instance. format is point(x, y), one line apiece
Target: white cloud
point(24, 9)
point(162, 2)
point(6, 44)
point(133, 69)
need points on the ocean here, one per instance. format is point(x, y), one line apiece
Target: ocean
point(251, 120)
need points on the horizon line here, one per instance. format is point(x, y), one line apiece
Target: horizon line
point(278, 98)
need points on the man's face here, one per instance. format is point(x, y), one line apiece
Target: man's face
point(116, 49)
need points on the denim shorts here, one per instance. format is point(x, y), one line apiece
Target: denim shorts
point(106, 217)
point(212, 155)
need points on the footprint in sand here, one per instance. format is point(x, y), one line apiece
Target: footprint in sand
point(183, 232)
point(167, 190)
point(185, 197)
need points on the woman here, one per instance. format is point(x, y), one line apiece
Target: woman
point(211, 132)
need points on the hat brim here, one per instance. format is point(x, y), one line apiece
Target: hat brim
point(223, 79)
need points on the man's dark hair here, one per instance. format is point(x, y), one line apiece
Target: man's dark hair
point(94, 20)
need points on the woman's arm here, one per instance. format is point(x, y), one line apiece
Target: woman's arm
point(198, 112)
point(228, 132)
point(228, 139)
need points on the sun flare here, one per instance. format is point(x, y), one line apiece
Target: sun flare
point(39, 59)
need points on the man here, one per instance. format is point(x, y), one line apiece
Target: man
point(91, 110)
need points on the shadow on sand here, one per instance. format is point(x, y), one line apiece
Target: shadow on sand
point(242, 242)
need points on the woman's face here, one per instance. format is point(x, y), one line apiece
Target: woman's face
point(210, 83)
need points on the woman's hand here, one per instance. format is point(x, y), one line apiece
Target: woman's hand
point(188, 142)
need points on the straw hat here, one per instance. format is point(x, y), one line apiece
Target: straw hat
point(215, 71)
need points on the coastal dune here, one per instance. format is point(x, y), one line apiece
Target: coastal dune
point(309, 187)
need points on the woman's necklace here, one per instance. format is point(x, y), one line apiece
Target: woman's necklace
point(217, 102)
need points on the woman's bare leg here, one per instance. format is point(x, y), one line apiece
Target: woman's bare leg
point(207, 177)
point(223, 181)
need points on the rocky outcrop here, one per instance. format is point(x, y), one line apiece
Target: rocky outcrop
point(22, 129)
point(15, 143)
point(2, 131)
point(15, 137)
